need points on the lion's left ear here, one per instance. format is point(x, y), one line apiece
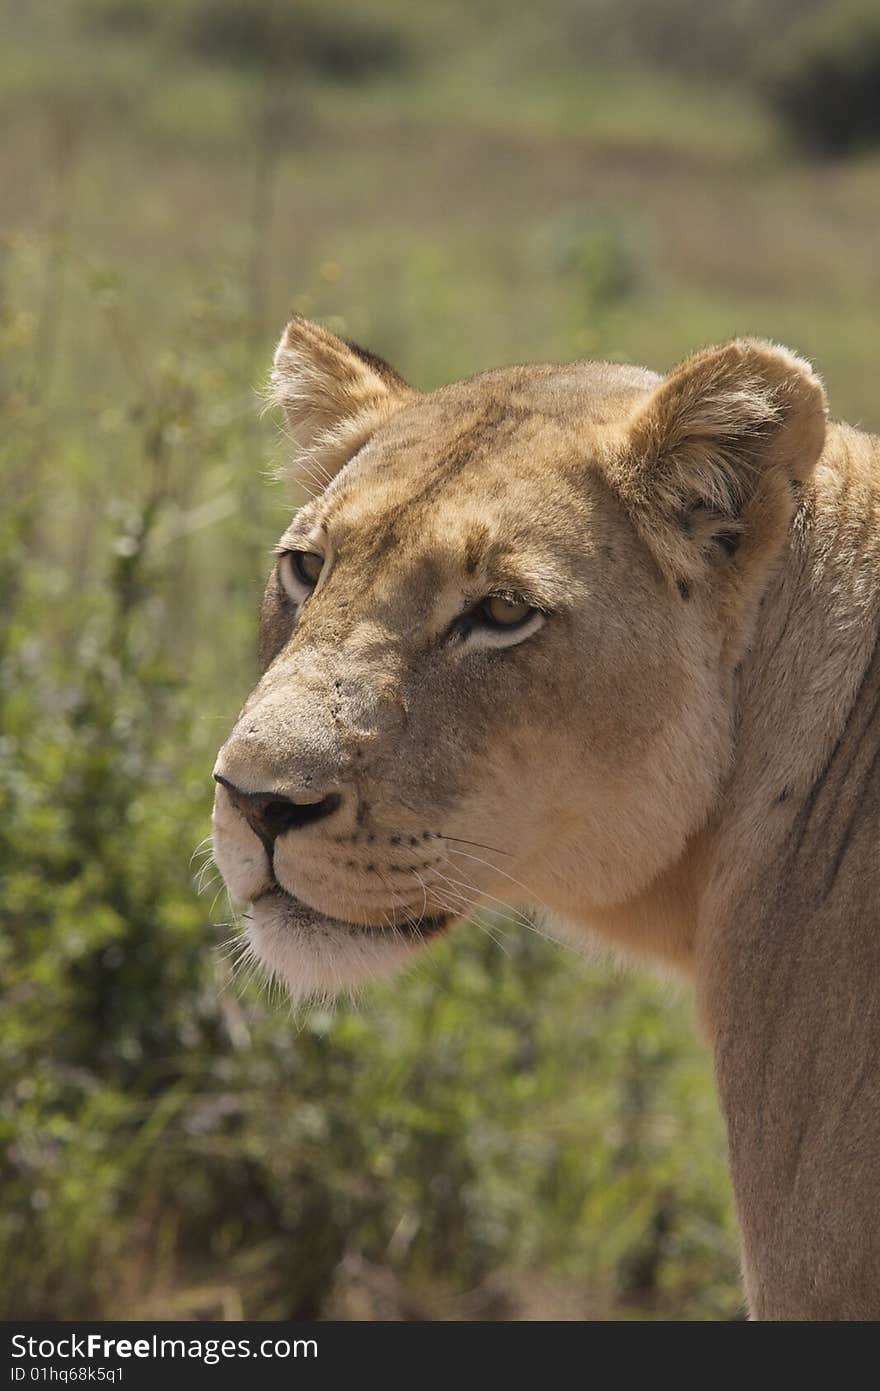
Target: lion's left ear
point(334, 394)
point(712, 462)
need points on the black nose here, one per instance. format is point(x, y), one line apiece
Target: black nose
point(269, 814)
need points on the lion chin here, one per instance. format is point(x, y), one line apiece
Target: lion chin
point(317, 957)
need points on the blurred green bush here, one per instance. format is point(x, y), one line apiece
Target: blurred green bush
point(823, 78)
point(289, 37)
point(597, 263)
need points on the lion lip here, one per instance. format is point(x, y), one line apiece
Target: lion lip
point(419, 930)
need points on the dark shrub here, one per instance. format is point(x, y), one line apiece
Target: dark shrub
point(292, 36)
point(824, 78)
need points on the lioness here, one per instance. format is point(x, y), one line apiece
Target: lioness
point(605, 642)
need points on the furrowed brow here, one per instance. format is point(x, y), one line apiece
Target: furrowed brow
point(529, 580)
point(304, 525)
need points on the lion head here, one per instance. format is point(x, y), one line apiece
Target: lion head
point(499, 643)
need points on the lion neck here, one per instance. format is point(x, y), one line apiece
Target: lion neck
point(812, 672)
point(787, 934)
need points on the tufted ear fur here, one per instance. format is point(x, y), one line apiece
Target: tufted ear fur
point(334, 395)
point(714, 460)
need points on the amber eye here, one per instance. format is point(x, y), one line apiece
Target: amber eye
point(300, 572)
point(308, 566)
point(501, 612)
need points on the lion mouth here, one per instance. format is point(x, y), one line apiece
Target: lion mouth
point(302, 915)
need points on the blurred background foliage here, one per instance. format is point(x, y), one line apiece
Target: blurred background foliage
point(512, 1130)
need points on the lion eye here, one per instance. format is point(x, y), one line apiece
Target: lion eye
point(300, 572)
point(308, 566)
point(500, 612)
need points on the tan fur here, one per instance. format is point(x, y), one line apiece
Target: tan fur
point(682, 754)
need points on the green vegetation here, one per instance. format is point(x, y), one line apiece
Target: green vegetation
point(513, 1130)
point(825, 79)
point(293, 39)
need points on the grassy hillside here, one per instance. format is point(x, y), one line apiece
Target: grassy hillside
point(514, 1131)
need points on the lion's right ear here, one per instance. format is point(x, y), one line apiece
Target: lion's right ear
point(334, 394)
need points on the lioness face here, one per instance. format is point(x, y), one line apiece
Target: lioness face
point(481, 684)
